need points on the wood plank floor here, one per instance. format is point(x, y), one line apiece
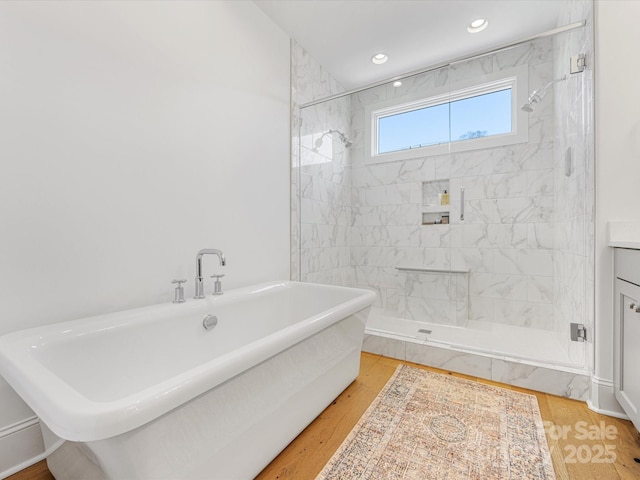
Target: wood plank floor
point(574, 456)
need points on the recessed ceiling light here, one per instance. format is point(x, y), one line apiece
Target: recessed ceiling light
point(379, 58)
point(397, 83)
point(477, 25)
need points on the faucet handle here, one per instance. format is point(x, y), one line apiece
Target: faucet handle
point(179, 293)
point(217, 286)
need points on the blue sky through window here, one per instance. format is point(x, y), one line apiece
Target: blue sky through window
point(490, 113)
point(417, 128)
point(478, 116)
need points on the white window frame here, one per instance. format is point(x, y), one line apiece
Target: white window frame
point(516, 79)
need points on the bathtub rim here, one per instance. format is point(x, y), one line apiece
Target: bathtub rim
point(72, 416)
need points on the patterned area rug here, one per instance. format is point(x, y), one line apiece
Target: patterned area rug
point(426, 425)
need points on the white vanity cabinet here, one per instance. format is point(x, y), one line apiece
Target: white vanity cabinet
point(627, 332)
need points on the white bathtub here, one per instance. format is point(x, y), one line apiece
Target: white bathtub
point(150, 394)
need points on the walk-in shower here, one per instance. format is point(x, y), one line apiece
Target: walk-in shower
point(479, 242)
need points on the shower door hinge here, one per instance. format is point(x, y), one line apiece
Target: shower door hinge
point(578, 63)
point(578, 332)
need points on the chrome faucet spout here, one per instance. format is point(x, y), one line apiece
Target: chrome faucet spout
point(199, 290)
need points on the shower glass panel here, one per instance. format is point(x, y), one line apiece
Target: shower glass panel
point(479, 240)
point(324, 191)
point(402, 209)
point(506, 240)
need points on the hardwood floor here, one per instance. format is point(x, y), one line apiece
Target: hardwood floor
point(584, 445)
point(309, 452)
point(39, 471)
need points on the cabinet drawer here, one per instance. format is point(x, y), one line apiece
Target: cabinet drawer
point(627, 265)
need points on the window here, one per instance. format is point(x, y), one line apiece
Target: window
point(466, 118)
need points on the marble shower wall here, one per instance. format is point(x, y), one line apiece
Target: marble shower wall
point(574, 183)
point(321, 176)
point(527, 239)
point(507, 238)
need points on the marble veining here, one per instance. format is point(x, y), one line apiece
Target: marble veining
point(527, 236)
point(509, 204)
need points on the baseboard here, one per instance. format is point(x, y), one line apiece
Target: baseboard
point(603, 399)
point(21, 446)
point(609, 413)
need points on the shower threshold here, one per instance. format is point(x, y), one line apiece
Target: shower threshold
point(526, 357)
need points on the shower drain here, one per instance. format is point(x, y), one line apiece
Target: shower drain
point(424, 330)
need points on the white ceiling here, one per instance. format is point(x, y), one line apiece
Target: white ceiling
point(343, 34)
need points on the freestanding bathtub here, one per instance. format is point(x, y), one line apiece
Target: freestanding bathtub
point(151, 394)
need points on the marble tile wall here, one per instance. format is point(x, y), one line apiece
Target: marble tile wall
point(574, 200)
point(527, 238)
point(321, 176)
point(541, 377)
point(507, 238)
point(436, 297)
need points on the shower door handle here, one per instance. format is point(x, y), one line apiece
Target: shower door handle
point(461, 204)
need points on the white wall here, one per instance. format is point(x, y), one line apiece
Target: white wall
point(133, 134)
point(617, 162)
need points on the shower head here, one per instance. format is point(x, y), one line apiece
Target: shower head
point(537, 95)
point(343, 138)
point(534, 98)
point(529, 106)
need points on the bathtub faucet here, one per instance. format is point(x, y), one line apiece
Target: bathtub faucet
point(201, 253)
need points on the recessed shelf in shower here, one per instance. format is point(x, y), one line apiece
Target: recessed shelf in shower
point(433, 212)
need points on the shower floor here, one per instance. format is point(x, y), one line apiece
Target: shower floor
point(496, 340)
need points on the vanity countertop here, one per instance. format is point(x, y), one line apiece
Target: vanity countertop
point(624, 235)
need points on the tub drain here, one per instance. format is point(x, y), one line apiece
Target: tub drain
point(209, 322)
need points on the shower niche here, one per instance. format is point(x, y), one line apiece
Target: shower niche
point(435, 202)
